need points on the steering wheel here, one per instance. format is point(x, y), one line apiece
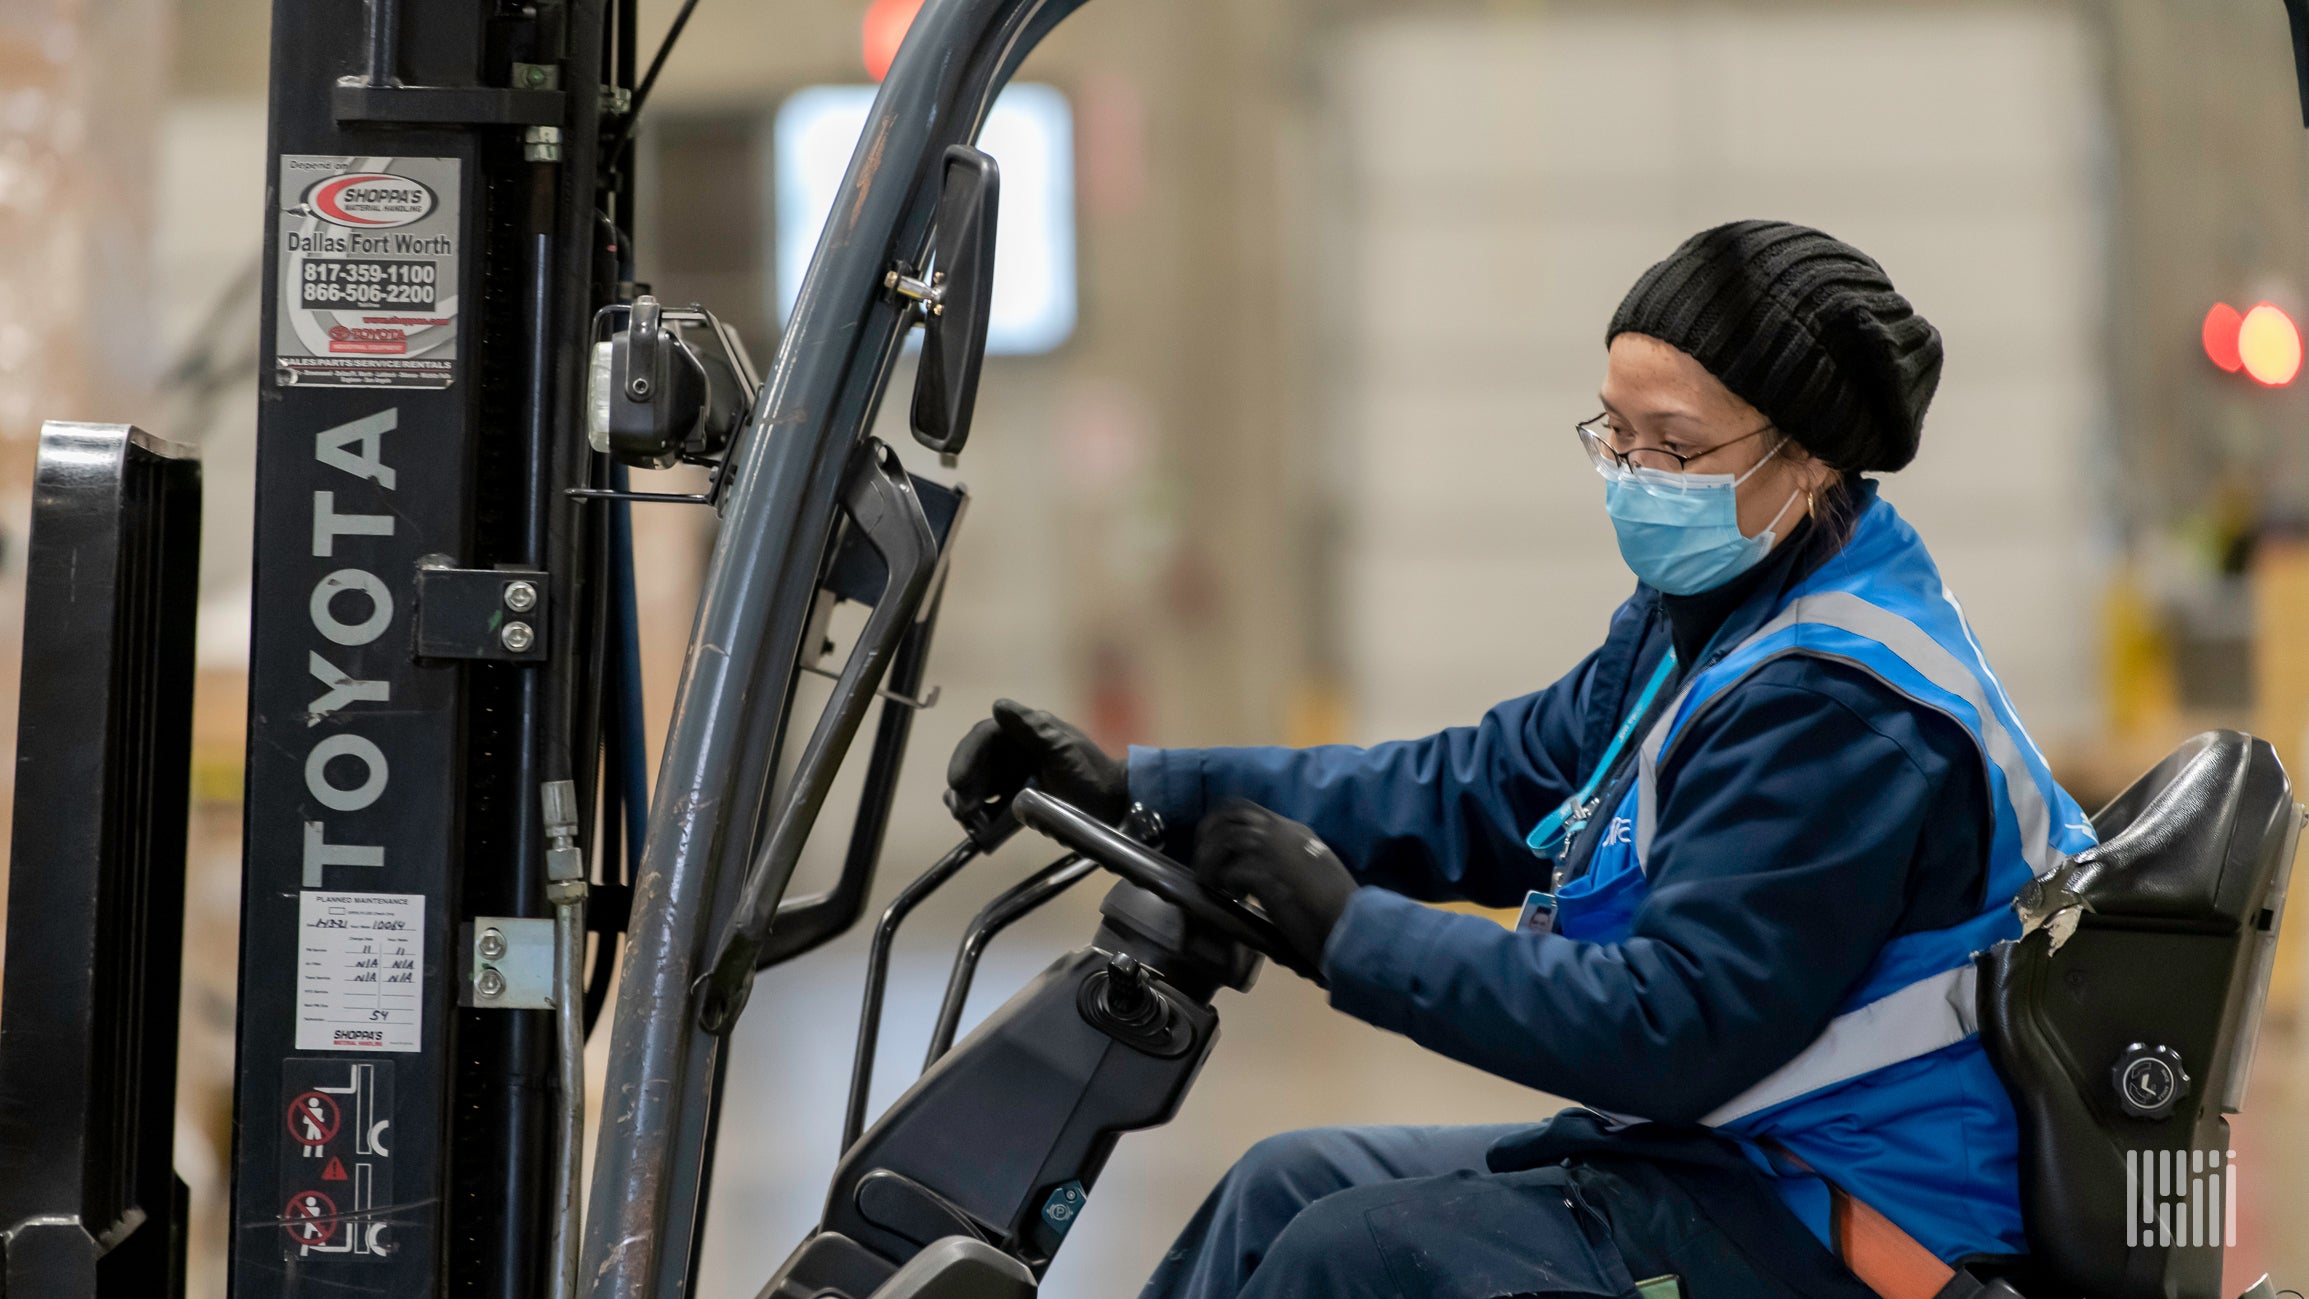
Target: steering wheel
point(1166, 879)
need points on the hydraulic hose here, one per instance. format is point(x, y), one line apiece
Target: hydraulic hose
point(612, 847)
point(569, 1153)
point(633, 755)
point(565, 888)
point(625, 792)
point(577, 1000)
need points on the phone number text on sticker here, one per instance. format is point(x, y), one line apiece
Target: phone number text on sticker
point(368, 283)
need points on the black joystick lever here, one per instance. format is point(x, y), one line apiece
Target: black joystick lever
point(1128, 992)
point(1122, 1001)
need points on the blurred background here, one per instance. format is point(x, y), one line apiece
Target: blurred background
point(1298, 302)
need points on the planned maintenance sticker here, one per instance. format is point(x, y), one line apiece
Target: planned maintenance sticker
point(368, 272)
point(360, 971)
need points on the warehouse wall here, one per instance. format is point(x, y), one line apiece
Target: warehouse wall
point(1498, 185)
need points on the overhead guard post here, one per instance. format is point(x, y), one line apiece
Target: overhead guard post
point(834, 361)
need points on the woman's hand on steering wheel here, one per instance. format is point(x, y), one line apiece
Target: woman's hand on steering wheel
point(1017, 744)
point(1174, 883)
point(1247, 851)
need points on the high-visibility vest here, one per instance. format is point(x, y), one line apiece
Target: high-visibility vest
point(1895, 1101)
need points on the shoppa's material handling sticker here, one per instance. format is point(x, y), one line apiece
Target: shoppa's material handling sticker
point(368, 272)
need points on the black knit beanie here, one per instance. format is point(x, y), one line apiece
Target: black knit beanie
point(1803, 326)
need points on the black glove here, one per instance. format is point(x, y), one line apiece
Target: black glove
point(1244, 849)
point(1018, 744)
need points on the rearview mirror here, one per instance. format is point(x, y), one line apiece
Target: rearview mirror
point(962, 296)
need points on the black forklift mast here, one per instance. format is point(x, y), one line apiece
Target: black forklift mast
point(425, 611)
point(459, 370)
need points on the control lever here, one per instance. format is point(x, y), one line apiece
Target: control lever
point(880, 500)
point(1129, 989)
point(988, 822)
point(986, 826)
point(878, 978)
point(1005, 910)
point(1143, 823)
point(1124, 1002)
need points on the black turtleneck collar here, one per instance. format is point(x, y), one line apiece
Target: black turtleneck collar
point(1694, 619)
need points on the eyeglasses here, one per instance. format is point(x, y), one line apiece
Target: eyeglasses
point(1595, 437)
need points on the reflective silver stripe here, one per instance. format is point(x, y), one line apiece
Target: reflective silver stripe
point(1648, 756)
point(1917, 1020)
point(1943, 669)
point(1848, 612)
point(1931, 1013)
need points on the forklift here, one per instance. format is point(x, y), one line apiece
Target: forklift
point(454, 863)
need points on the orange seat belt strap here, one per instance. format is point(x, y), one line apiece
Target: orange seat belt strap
point(1885, 1258)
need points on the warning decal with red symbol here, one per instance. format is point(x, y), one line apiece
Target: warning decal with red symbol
point(338, 1124)
point(310, 1218)
point(313, 1121)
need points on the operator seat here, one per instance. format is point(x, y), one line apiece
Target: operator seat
point(2123, 1023)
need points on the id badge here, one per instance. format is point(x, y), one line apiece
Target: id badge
point(1538, 914)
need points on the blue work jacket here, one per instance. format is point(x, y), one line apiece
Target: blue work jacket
point(1809, 822)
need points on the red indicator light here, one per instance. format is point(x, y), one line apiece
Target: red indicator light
point(886, 24)
point(2269, 345)
point(2220, 334)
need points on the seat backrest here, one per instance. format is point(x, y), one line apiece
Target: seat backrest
point(2123, 1023)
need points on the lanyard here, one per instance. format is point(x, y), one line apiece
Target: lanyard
point(1553, 834)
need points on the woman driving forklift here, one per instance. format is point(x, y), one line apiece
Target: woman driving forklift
point(1757, 836)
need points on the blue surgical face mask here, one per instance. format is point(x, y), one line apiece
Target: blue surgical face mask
point(1681, 532)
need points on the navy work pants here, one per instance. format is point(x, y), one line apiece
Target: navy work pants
point(1418, 1213)
point(1389, 1211)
